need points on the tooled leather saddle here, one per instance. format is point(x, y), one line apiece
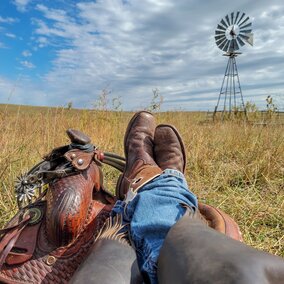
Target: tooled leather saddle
point(63, 204)
point(62, 207)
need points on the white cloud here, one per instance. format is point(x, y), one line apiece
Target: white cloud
point(52, 14)
point(10, 35)
point(42, 42)
point(27, 64)
point(21, 5)
point(8, 20)
point(26, 53)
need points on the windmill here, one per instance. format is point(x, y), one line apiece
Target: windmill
point(233, 32)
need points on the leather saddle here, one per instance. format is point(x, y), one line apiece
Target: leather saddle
point(55, 227)
point(62, 207)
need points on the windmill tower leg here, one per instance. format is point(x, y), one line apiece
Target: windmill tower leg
point(239, 88)
point(222, 90)
point(229, 91)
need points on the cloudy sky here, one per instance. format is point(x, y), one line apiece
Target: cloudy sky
point(56, 51)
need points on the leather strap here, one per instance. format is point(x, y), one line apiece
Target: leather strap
point(80, 160)
point(143, 176)
point(11, 237)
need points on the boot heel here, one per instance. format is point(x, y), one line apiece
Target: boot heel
point(119, 194)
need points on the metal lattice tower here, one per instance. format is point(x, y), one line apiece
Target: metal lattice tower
point(233, 31)
point(230, 96)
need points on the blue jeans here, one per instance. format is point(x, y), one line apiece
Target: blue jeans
point(151, 213)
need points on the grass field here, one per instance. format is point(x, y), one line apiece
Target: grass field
point(234, 166)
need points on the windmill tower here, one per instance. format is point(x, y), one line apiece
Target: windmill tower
point(233, 32)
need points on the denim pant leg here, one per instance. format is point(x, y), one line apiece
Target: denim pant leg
point(153, 211)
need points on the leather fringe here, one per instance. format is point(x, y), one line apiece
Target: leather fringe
point(114, 229)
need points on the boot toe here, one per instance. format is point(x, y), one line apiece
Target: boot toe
point(169, 148)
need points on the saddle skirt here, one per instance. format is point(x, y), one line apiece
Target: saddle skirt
point(220, 221)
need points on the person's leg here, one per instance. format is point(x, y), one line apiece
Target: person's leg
point(154, 210)
point(160, 203)
point(195, 253)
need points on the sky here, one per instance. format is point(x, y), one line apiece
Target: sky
point(54, 52)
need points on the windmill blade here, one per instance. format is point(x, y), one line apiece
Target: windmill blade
point(235, 45)
point(245, 37)
point(227, 45)
point(238, 13)
point(221, 28)
point(244, 21)
point(218, 37)
point(240, 41)
point(217, 32)
point(245, 26)
point(240, 18)
point(220, 41)
point(246, 31)
point(231, 46)
point(228, 20)
point(223, 23)
point(222, 46)
point(232, 18)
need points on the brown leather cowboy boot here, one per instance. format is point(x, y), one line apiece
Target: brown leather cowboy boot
point(169, 148)
point(138, 148)
point(170, 154)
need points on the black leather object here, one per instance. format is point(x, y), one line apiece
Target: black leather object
point(195, 253)
point(109, 262)
point(78, 137)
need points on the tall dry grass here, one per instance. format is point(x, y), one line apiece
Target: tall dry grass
point(236, 167)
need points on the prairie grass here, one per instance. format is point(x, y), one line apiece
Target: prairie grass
point(233, 166)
